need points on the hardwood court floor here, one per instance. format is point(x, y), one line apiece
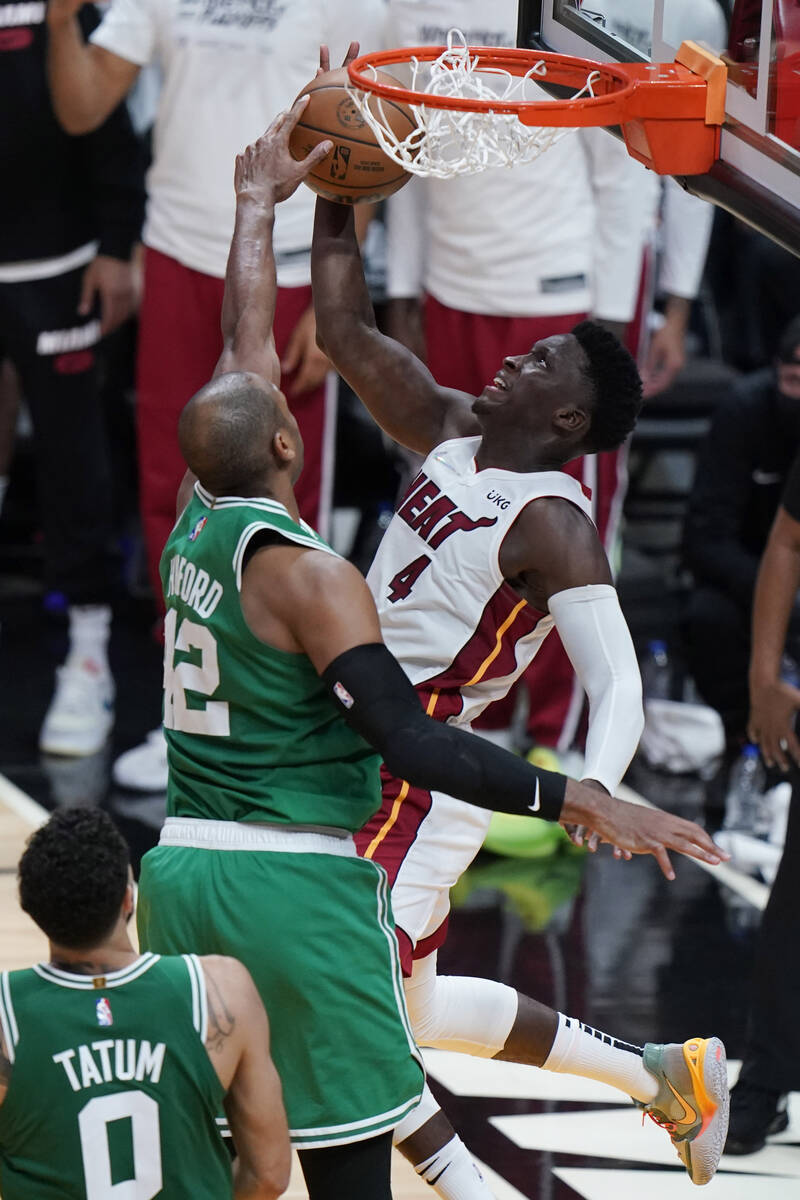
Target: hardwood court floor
point(21, 944)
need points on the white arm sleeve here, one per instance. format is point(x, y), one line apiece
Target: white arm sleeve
point(598, 642)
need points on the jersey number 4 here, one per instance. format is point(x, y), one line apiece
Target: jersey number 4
point(404, 580)
point(212, 717)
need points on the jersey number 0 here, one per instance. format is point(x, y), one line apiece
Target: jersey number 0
point(93, 1121)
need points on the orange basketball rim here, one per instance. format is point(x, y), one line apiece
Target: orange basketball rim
point(670, 114)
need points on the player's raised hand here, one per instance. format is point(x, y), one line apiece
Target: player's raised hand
point(635, 829)
point(266, 171)
point(325, 57)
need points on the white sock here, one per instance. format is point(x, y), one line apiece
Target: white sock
point(89, 629)
point(580, 1050)
point(3, 489)
point(453, 1175)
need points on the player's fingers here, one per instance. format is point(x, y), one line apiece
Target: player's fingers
point(316, 155)
point(352, 54)
point(772, 750)
point(662, 858)
point(324, 60)
point(705, 850)
point(593, 842)
point(289, 119)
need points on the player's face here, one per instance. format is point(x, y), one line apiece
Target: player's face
point(529, 387)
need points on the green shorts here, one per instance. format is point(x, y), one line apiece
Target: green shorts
point(316, 932)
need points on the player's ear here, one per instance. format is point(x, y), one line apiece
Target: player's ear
point(129, 899)
point(571, 420)
point(283, 447)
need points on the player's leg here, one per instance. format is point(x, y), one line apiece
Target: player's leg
point(430, 1143)
point(449, 1012)
point(360, 1169)
point(55, 353)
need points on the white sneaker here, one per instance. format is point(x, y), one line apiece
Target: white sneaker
point(81, 712)
point(144, 768)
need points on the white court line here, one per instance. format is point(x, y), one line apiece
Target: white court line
point(748, 888)
point(22, 804)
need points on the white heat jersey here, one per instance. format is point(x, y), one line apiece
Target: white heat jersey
point(460, 632)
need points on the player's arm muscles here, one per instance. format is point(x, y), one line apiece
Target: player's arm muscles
point(398, 389)
point(86, 81)
point(237, 1042)
point(554, 551)
point(318, 604)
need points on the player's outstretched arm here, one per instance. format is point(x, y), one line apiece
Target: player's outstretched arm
point(265, 174)
point(395, 386)
point(578, 590)
point(86, 81)
point(238, 1046)
point(322, 605)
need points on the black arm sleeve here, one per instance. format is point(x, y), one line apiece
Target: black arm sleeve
point(368, 685)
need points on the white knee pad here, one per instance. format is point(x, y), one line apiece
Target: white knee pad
point(455, 1012)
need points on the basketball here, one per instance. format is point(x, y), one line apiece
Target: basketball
point(356, 171)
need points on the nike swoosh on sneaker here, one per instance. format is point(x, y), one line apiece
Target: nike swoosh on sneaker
point(537, 803)
point(689, 1114)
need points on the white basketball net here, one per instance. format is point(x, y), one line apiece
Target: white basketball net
point(448, 142)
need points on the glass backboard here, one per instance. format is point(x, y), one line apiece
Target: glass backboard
point(757, 176)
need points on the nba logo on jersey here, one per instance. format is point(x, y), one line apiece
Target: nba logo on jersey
point(103, 1010)
point(342, 695)
point(197, 530)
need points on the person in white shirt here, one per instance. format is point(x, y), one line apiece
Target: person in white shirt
point(226, 67)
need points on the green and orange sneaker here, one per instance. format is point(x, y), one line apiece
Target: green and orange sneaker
point(692, 1102)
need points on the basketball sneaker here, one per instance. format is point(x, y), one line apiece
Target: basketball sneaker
point(144, 768)
point(692, 1102)
point(81, 712)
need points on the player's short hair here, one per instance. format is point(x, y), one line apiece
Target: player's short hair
point(789, 344)
point(225, 432)
point(616, 385)
point(72, 876)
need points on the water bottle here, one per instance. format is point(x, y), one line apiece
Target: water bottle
point(743, 802)
point(656, 672)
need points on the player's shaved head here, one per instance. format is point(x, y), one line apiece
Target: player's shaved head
point(226, 432)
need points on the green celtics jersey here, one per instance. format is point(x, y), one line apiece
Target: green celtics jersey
point(112, 1092)
point(252, 733)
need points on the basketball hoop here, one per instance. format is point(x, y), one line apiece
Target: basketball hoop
point(477, 106)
